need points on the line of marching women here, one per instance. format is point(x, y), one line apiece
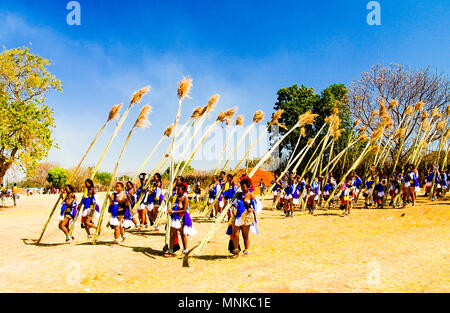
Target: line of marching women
point(291, 193)
point(402, 187)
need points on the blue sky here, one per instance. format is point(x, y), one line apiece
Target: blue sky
point(243, 50)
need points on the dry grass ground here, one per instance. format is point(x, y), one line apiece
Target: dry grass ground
point(369, 251)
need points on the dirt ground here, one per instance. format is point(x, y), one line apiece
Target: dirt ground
point(369, 251)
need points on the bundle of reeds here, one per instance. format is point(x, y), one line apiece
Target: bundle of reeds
point(309, 117)
point(141, 122)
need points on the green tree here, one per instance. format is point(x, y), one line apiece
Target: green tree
point(297, 100)
point(57, 177)
point(26, 121)
point(103, 178)
point(187, 170)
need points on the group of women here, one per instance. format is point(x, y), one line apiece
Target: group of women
point(293, 191)
point(147, 200)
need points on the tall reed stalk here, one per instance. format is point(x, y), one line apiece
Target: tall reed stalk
point(141, 122)
point(113, 115)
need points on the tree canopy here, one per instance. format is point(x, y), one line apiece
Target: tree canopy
point(57, 177)
point(187, 170)
point(26, 122)
point(103, 178)
point(295, 100)
point(408, 87)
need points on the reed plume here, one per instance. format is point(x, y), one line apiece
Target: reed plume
point(114, 113)
point(212, 103)
point(184, 87)
point(258, 116)
point(400, 133)
point(376, 135)
point(240, 120)
point(382, 110)
point(419, 106)
point(226, 116)
point(409, 109)
point(137, 96)
point(424, 115)
point(435, 112)
point(142, 120)
point(197, 113)
point(169, 130)
point(307, 118)
point(392, 104)
point(363, 138)
point(302, 132)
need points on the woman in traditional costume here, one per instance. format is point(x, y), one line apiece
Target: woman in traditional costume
point(245, 208)
point(154, 199)
point(68, 211)
point(91, 208)
point(120, 204)
point(181, 221)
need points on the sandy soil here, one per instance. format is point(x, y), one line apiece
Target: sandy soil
point(369, 251)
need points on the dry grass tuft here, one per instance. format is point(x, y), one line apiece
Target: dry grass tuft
point(382, 112)
point(392, 104)
point(435, 112)
point(114, 113)
point(302, 132)
point(363, 138)
point(400, 133)
point(275, 117)
point(142, 120)
point(240, 120)
point(307, 118)
point(409, 109)
point(137, 96)
point(258, 116)
point(197, 113)
point(376, 134)
point(425, 115)
point(226, 117)
point(169, 130)
point(184, 87)
point(419, 106)
point(440, 126)
point(212, 103)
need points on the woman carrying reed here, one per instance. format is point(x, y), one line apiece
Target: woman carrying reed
point(68, 211)
point(243, 218)
point(120, 204)
point(154, 199)
point(181, 222)
point(91, 208)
